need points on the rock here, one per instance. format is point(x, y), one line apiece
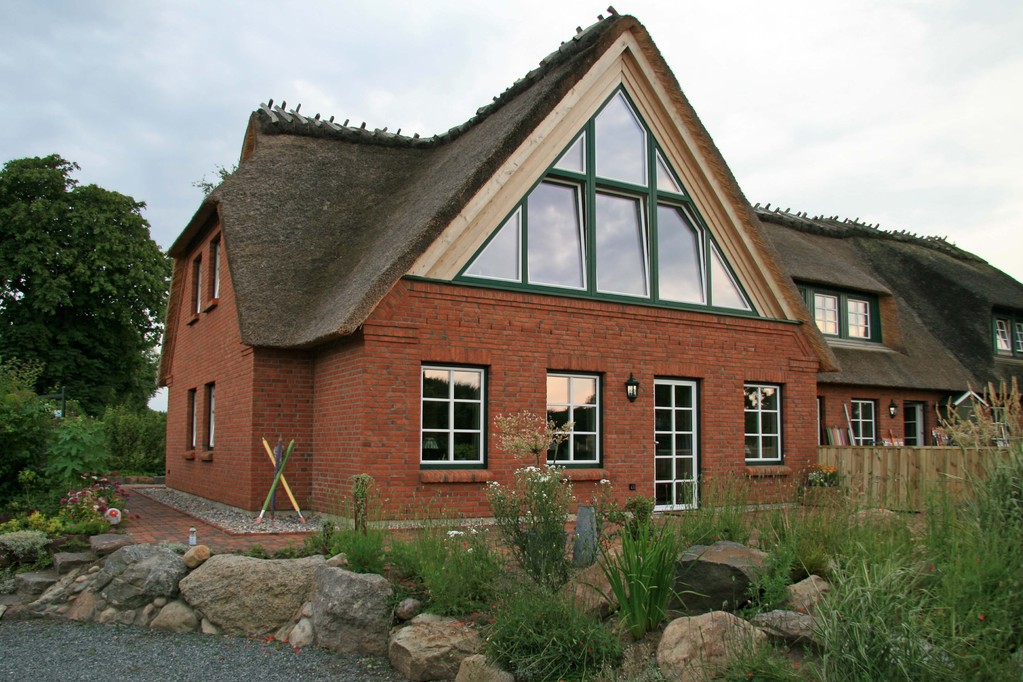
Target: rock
point(37, 582)
point(338, 561)
point(697, 648)
point(208, 628)
point(107, 615)
point(3, 610)
point(302, 634)
point(307, 610)
point(408, 609)
point(475, 669)
point(135, 575)
point(590, 591)
point(160, 602)
point(789, 627)
point(145, 615)
point(84, 607)
point(108, 543)
point(804, 595)
point(716, 577)
point(351, 612)
point(432, 647)
point(247, 596)
point(65, 562)
point(177, 616)
point(196, 556)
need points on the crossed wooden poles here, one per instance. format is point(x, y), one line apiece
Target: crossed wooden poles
point(278, 457)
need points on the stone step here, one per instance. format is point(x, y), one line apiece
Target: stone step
point(32, 584)
point(65, 562)
point(107, 543)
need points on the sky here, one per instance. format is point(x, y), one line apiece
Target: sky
point(901, 113)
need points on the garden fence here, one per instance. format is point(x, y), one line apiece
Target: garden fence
point(901, 478)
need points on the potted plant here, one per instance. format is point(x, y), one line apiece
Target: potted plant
point(823, 486)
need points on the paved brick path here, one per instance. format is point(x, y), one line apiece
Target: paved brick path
point(151, 521)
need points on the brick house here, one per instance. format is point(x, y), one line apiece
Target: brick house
point(380, 298)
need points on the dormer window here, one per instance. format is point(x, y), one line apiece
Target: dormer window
point(1008, 334)
point(845, 315)
point(611, 219)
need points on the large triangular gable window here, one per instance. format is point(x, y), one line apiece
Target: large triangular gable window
point(611, 219)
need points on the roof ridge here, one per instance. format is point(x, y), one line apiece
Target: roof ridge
point(843, 228)
point(279, 119)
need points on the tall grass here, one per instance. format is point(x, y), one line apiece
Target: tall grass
point(642, 575)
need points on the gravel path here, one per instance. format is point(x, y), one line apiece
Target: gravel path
point(231, 519)
point(45, 650)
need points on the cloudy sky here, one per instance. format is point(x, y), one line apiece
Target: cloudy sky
point(899, 112)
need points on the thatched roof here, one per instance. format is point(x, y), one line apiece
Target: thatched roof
point(944, 300)
point(321, 219)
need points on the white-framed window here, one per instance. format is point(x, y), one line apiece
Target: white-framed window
point(575, 398)
point(763, 422)
point(193, 421)
point(825, 313)
point(859, 318)
point(864, 422)
point(197, 285)
point(215, 269)
point(1019, 338)
point(452, 418)
point(1003, 344)
point(210, 415)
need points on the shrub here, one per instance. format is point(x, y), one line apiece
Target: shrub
point(23, 546)
point(531, 517)
point(465, 579)
point(365, 550)
point(79, 447)
point(642, 576)
point(26, 424)
point(539, 635)
point(136, 439)
point(87, 510)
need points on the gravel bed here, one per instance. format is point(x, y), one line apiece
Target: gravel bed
point(229, 518)
point(44, 650)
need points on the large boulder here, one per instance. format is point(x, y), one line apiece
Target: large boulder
point(135, 575)
point(351, 611)
point(176, 616)
point(476, 669)
point(806, 594)
point(697, 648)
point(247, 596)
point(432, 647)
point(716, 577)
point(788, 627)
point(108, 543)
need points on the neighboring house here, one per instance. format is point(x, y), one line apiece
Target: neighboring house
point(380, 298)
point(914, 322)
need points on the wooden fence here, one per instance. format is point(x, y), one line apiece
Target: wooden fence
point(902, 477)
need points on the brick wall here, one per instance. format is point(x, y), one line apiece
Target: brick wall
point(838, 397)
point(367, 391)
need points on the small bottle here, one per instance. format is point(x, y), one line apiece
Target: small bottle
point(191, 536)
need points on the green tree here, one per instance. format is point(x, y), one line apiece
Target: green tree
point(82, 284)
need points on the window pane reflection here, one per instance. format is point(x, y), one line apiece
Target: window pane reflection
point(500, 259)
point(555, 243)
point(621, 245)
point(680, 275)
point(620, 143)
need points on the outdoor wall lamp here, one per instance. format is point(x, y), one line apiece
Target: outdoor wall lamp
point(893, 409)
point(632, 388)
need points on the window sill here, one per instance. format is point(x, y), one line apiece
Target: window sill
point(189, 455)
point(207, 456)
point(455, 476)
point(211, 305)
point(767, 470)
point(587, 474)
point(193, 319)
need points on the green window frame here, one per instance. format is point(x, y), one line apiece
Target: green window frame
point(763, 419)
point(1007, 329)
point(844, 314)
point(575, 397)
point(452, 417)
point(610, 219)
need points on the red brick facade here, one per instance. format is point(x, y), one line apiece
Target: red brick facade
point(353, 406)
point(836, 398)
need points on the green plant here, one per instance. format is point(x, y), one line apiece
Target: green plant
point(362, 488)
point(767, 590)
point(93, 507)
point(136, 439)
point(365, 550)
point(465, 579)
point(762, 662)
point(531, 517)
point(723, 512)
point(23, 546)
point(819, 476)
point(526, 435)
point(78, 448)
point(26, 424)
point(539, 635)
point(642, 575)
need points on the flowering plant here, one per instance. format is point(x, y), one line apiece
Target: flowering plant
point(93, 502)
point(820, 476)
point(524, 434)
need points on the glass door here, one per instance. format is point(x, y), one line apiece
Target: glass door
point(675, 455)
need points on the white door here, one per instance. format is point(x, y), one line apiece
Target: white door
point(675, 455)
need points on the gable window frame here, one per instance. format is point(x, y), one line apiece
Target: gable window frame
point(762, 416)
point(863, 421)
point(197, 278)
point(215, 258)
point(661, 188)
point(840, 313)
point(442, 424)
point(567, 453)
point(210, 396)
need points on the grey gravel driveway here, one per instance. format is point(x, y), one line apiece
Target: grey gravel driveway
point(44, 650)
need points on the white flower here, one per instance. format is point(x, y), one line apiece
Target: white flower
point(455, 533)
